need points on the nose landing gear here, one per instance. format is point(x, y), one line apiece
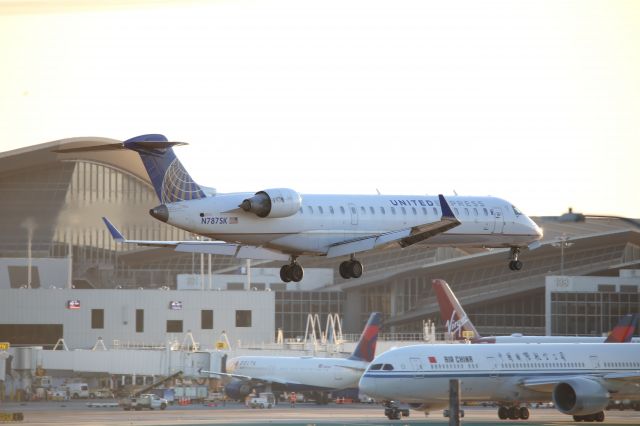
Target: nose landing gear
point(514, 263)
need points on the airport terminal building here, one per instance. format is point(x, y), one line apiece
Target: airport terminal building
point(53, 239)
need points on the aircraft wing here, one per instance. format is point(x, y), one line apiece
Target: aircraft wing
point(402, 237)
point(631, 377)
point(208, 247)
point(254, 380)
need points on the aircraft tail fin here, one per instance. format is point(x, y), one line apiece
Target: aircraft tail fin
point(366, 348)
point(451, 311)
point(169, 178)
point(624, 329)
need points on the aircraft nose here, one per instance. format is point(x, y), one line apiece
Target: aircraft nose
point(160, 212)
point(538, 231)
point(367, 385)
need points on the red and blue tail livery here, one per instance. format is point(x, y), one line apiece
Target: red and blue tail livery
point(366, 348)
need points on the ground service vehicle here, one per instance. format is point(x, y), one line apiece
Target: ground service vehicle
point(147, 400)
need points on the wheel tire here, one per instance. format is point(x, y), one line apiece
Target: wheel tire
point(355, 269)
point(285, 273)
point(344, 270)
point(126, 409)
point(503, 413)
point(92, 395)
point(514, 413)
point(599, 417)
point(163, 406)
point(524, 413)
point(296, 272)
point(517, 265)
point(261, 406)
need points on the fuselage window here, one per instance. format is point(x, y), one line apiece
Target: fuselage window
point(435, 211)
point(466, 211)
point(387, 367)
point(363, 210)
point(376, 367)
point(331, 209)
point(404, 211)
point(372, 210)
point(415, 212)
point(320, 210)
point(382, 210)
point(424, 211)
point(353, 210)
point(342, 210)
point(516, 211)
point(455, 210)
point(475, 211)
point(310, 209)
point(393, 210)
point(486, 213)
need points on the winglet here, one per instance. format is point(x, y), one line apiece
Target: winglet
point(446, 210)
point(113, 230)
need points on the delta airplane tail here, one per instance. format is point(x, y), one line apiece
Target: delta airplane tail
point(451, 311)
point(366, 348)
point(169, 178)
point(623, 331)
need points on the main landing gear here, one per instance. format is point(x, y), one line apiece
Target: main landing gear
point(514, 263)
point(351, 269)
point(513, 413)
point(596, 417)
point(292, 272)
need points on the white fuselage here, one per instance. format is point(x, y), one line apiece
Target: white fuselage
point(421, 373)
point(324, 220)
point(300, 373)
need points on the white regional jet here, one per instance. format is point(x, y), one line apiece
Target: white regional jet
point(281, 224)
point(457, 322)
point(302, 373)
point(580, 378)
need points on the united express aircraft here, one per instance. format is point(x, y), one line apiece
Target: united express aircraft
point(282, 224)
point(580, 378)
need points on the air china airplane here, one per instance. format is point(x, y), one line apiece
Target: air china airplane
point(580, 378)
point(281, 224)
point(302, 373)
point(457, 322)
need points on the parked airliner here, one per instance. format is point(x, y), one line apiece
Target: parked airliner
point(302, 373)
point(457, 322)
point(281, 224)
point(580, 378)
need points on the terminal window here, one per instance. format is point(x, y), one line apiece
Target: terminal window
point(206, 319)
point(97, 318)
point(139, 320)
point(243, 318)
point(174, 326)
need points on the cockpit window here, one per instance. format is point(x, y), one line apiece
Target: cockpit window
point(387, 367)
point(375, 367)
point(516, 211)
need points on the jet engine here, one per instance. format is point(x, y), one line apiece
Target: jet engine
point(580, 396)
point(278, 202)
point(237, 390)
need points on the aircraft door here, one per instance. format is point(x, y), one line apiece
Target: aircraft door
point(492, 363)
point(498, 220)
point(337, 373)
point(353, 211)
point(417, 367)
point(595, 361)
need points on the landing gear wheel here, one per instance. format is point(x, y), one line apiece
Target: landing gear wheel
point(503, 413)
point(514, 413)
point(514, 263)
point(344, 270)
point(285, 273)
point(524, 413)
point(296, 272)
point(355, 269)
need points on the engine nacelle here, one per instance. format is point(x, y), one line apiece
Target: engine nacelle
point(278, 202)
point(580, 396)
point(237, 390)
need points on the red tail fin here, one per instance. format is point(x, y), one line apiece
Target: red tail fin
point(623, 331)
point(451, 311)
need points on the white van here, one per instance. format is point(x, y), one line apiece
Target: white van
point(77, 390)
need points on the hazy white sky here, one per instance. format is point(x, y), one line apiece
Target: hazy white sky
point(536, 102)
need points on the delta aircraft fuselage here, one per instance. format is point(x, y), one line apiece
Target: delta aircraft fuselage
point(325, 220)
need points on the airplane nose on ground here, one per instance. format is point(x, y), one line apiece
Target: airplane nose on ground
point(160, 212)
point(367, 385)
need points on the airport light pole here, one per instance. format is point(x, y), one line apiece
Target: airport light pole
point(562, 243)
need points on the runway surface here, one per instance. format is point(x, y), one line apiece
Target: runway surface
point(77, 413)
